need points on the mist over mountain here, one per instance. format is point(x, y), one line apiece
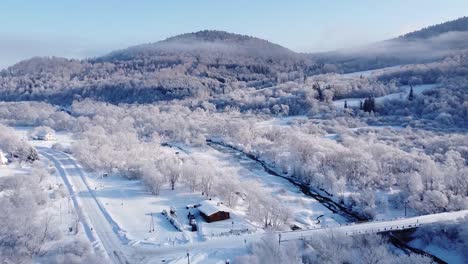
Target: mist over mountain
point(457, 25)
point(425, 45)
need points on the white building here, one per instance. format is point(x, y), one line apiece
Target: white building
point(45, 135)
point(3, 159)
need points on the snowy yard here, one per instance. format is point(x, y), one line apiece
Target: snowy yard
point(131, 206)
point(64, 138)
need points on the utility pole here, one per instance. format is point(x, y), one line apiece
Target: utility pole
point(279, 239)
point(60, 209)
point(151, 227)
point(68, 205)
point(188, 257)
point(405, 207)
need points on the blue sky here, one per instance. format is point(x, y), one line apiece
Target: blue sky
point(84, 28)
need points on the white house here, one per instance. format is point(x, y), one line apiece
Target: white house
point(3, 159)
point(45, 135)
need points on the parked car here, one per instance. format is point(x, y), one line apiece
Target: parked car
point(172, 210)
point(193, 224)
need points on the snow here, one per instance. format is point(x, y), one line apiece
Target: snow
point(122, 197)
point(13, 169)
point(204, 251)
point(96, 224)
point(212, 257)
point(64, 138)
point(369, 73)
point(59, 207)
point(116, 212)
point(447, 255)
point(417, 89)
point(282, 121)
point(209, 207)
point(355, 102)
point(304, 209)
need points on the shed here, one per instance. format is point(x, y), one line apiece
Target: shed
point(213, 211)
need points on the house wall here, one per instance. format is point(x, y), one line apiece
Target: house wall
point(218, 216)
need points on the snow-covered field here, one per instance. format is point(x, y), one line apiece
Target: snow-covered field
point(282, 121)
point(447, 255)
point(123, 198)
point(64, 138)
point(304, 210)
point(132, 208)
point(13, 169)
point(403, 94)
point(370, 72)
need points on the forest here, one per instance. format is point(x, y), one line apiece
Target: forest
point(129, 110)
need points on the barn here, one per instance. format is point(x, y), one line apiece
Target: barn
point(213, 211)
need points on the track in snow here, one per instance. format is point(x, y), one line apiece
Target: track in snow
point(97, 224)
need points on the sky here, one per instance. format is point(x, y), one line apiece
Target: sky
point(88, 28)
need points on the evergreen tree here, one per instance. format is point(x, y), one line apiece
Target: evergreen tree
point(317, 87)
point(345, 104)
point(411, 94)
point(369, 104)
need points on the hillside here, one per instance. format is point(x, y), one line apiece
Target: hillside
point(189, 65)
point(211, 64)
point(217, 43)
point(457, 25)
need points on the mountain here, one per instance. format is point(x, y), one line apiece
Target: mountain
point(210, 64)
point(207, 41)
point(190, 65)
point(457, 25)
point(426, 45)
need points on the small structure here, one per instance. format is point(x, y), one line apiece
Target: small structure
point(3, 159)
point(45, 135)
point(213, 211)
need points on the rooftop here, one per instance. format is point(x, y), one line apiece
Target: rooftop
point(209, 207)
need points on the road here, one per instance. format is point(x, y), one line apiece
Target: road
point(96, 223)
point(102, 230)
